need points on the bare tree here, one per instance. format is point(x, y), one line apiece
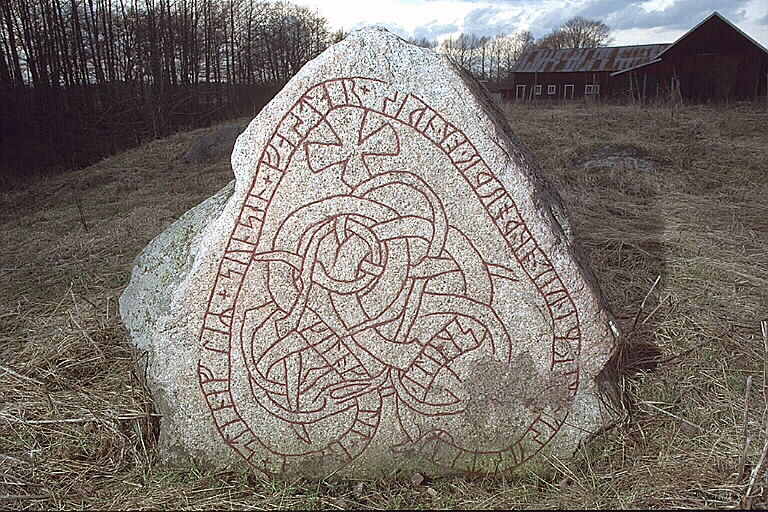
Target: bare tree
point(339, 35)
point(480, 56)
point(88, 75)
point(510, 50)
point(460, 50)
point(485, 57)
point(577, 32)
point(424, 42)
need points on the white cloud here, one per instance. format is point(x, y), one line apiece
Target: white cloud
point(408, 14)
point(633, 21)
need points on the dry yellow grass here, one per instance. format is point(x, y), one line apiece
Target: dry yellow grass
point(78, 430)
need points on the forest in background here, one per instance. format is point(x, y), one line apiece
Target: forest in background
point(83, 79)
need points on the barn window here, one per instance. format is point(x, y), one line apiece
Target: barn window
point(537, 90)
point(591, 90)
point(551, 89)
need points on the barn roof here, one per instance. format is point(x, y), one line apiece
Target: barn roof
point(567, 60)
point(714, 16)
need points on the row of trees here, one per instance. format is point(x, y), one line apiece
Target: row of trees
point(488, 58)
point(492, 58)
point(77, 42)
point(577, 32)
point(80, 78)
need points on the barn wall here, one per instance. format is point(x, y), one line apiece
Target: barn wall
point(706, 77)
point(714, 62)
point(578, 79)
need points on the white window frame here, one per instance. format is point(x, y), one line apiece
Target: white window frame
point(518, 88)
point(551, 90)
point(592, 90)
point(537, 90)
point(566, 87)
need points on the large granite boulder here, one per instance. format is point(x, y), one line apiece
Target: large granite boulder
point(389, 284)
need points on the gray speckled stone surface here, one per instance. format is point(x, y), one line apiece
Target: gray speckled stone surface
point(388, 285)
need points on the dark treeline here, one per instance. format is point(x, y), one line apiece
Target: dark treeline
point(80, 79)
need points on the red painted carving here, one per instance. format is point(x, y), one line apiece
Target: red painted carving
point(369, 304)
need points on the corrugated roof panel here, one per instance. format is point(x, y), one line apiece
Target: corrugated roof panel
point(586, 59)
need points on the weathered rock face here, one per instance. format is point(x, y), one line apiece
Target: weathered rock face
point(388, 285)
point(614, 158)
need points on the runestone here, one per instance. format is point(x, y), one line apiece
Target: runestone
point(389, 285)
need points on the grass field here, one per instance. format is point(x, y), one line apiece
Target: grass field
point(679, 248)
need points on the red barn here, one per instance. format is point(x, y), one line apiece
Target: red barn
point(569, 73)
point(713, 61)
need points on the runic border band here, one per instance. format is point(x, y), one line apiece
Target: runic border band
point(215, 366)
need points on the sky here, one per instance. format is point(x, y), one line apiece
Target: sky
point(631, 21)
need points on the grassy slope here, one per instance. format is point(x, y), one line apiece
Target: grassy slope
point(700, 221)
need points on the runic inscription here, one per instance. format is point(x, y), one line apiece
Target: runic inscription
point(376, 271)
